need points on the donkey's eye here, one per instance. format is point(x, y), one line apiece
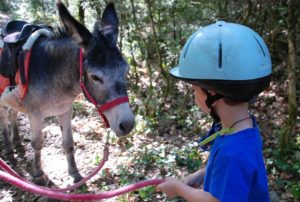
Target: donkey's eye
point(96, 78)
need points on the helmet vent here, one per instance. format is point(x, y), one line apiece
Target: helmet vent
point(220, 55)
point(262, 50)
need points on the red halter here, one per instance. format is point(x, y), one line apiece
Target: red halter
point(100, 108)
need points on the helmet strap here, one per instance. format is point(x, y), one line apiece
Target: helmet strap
point(209, 102)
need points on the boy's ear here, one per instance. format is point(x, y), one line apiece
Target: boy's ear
point(77, 31)
point(110, 24)
point(212, 92)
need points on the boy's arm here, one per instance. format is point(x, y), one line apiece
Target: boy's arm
point(195, 195)
point(173, 187)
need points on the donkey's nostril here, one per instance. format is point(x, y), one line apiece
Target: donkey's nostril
point(122, 127)
point(126, 126)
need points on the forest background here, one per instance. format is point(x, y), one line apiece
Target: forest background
point(152, 34)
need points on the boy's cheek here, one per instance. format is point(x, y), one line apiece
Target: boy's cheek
point(201, 104)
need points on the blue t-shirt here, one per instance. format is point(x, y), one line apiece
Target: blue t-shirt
point(235, 171)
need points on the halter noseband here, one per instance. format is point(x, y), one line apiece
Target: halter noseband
point(100, 108)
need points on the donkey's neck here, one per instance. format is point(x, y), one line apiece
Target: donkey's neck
point(64, 55)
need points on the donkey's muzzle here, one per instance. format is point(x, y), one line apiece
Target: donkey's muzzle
point(126, 126)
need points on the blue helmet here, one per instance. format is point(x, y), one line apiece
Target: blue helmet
point(228, 58)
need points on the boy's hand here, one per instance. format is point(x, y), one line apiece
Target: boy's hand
point(173, 187)
point(195, 179)
point(169, 187)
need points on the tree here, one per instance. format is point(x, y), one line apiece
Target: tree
point(156, 43)
point(81, 11)
point(293, 18)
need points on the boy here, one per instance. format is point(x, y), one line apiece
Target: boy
point(228, 65)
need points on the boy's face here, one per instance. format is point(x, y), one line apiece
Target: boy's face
point(200, 97)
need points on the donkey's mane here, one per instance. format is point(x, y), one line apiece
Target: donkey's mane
point(60, 33)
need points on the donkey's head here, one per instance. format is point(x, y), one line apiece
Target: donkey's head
point(104, 67)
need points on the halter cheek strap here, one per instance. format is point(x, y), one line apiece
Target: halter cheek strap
point(100, 108)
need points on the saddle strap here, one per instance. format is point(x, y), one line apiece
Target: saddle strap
point(23, 74)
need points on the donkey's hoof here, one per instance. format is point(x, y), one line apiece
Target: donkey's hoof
point(77, 178)
point(42, 180)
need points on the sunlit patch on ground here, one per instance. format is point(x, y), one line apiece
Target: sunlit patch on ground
point(6, 196)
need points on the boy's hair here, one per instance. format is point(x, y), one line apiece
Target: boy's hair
point(231, 102)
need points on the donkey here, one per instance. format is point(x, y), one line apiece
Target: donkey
point(54, 83)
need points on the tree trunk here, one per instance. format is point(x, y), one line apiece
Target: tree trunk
point(159, 57)
point(293, 15)
point(67, 3)
point(134, 64)
point(140, 41)
point(249, 11)
point(174, 19)
point(44, 10)
point(223, 9)
point(81, 12)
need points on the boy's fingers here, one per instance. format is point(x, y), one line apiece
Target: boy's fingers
point(158, 187)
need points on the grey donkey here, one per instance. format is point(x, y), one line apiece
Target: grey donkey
point(54, 84)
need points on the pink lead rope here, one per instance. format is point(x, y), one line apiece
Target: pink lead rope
point(15, 179)
point(100, 108)
point(81, 197)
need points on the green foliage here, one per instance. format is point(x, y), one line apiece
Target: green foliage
point(153, 158)
point(174, 22)
point(295, 190)
point(4, 6)
point(79, 109)
point(127, 175)
point(190, 158)
point(146, 193)
point(82, 189)
point(35, 11)
point(285, 165)
point(284, 158)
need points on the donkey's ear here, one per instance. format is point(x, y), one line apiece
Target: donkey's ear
point(77, 31)
point(110, 23)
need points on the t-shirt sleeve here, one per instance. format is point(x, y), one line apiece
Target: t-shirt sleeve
point(232, 178)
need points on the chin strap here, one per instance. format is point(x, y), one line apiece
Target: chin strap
point(89, 97)
point(209, 102)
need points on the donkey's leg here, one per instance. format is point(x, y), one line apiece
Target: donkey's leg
point(37, 143)
point(12, 115)
point(68, 143)
point(4, 124)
